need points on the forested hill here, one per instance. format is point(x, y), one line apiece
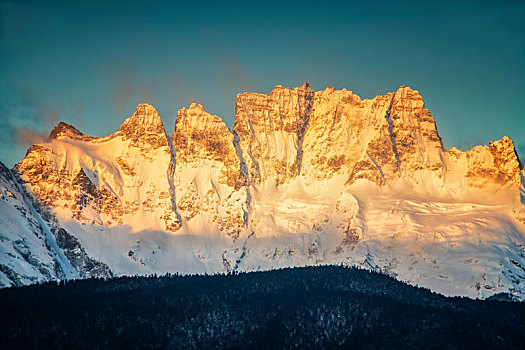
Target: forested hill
point(309, 307)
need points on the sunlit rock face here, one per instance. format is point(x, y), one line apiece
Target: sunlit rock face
point(497, 164)
point(413, 131)
point(144, 129)
point(64, 130)
point(35, 250)
point(208, 180)
point(381, 140)
point(492, 171)
point(348, 136)
point(304, 177)
point(121, 179)
point(271, 130)
point(303, 149)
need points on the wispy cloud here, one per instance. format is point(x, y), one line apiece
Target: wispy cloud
point(25, 120)
point(25, 136)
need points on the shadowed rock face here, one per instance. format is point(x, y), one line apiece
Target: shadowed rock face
point(33, 246)
point(86, 193)
point(76, 254)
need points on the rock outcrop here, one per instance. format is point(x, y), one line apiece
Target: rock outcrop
point(32, 249)
point(208, 178)
point(271, 130)
point(121, 179)
point(304, 177)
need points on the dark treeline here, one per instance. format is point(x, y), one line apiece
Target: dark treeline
point(309, 307)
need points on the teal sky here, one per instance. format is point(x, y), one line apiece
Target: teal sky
point(90, 63)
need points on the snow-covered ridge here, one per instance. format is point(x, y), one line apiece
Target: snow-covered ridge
point(304, 177)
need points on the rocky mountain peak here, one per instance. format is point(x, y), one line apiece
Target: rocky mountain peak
point(413, 132)
point(195, 115)
point(504, 146)
point(271, 128)
point(408, 91)
point(144, 127)
point(205, 150)
point(146, 115)
point(196, 126)
point(196, 107)
point(280, 89)
point(199, 132)
point(64, 130)
point(506, 159)
point(407, 98)
point(305, 178)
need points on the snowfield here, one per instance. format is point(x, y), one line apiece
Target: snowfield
point(304, 178)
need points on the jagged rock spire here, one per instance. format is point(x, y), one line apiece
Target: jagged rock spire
point(289, 170)
point(205, 149)
point(145, 114)
point(506, 160)
point(144, 127)
point(199, 135)
point(63, 130)
point(271, 128)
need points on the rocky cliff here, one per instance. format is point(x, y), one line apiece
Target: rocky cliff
point(304, 177)
point(208, 179)
point(115, 180)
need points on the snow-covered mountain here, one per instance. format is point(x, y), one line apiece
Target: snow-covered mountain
point(33, 249)
point(305, 177)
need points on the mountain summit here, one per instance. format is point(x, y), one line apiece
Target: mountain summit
point(305, 177)
point(64, 130)
point(144, 127)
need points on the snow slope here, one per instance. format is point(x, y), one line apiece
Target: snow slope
point(29, 252)
point(304, 178)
